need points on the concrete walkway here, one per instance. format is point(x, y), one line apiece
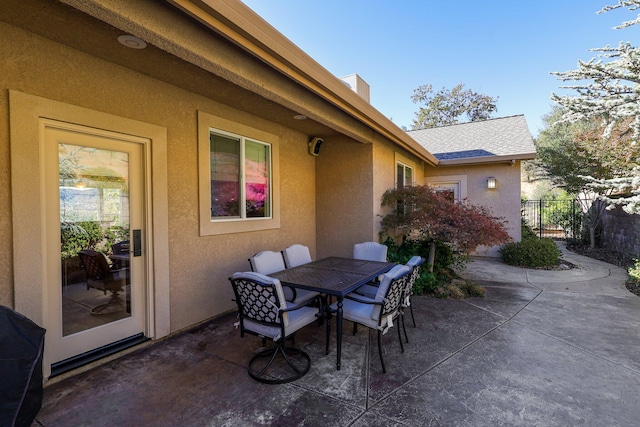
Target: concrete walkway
point(543, 348)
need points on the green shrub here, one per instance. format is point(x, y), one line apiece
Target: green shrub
point(531, 253)
point(427, 282)
point(634, 271)
point(527, 231)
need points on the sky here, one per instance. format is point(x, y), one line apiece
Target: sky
point(502, 48)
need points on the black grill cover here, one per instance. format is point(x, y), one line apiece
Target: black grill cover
point(21, 347)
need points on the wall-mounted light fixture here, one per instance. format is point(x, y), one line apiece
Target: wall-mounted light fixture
point(491, 183)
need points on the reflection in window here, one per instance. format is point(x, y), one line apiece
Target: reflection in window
point(240, 177)
point(405, 175)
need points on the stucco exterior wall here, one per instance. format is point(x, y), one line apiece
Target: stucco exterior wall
point(504, 200)
point(344, 184)
point(199, 266)
point(386, 158)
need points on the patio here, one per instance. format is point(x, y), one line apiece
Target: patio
point(542, 348)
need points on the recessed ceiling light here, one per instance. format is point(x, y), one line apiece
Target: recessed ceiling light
point(131, 41)
point(300, 117)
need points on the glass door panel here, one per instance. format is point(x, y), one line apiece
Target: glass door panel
point(94, 230)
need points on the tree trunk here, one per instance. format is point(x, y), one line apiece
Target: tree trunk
point(592, 237)
point(432, 256)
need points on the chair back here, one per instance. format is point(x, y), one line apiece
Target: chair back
point(267, 262)
point(260, 299)
point(95, 264)
point(120, 247)
point(391, 291)
point(370, 251)
point(295, 255)
point(414, 263)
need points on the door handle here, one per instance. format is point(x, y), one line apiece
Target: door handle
point(137, 242)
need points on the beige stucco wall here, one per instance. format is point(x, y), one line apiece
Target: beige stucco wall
point(344, 185)
point(199, 266)
point(351, 179)
point(504, 201)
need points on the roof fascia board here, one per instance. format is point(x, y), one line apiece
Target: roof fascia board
point(240, 25)
point(487, 159)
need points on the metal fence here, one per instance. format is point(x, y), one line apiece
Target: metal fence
point(557, 219)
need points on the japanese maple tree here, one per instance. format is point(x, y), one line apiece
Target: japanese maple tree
point(421, 213)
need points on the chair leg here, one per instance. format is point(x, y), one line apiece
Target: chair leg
point(413, 318)
point(286, 352)
point(384, 370)
point(404, 328)
point(400, 339)
point(114, 300)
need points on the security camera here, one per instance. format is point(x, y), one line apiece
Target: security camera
point(314, 146)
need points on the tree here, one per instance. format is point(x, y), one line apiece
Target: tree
point(421, 213)
point(606, 89)
point(574, 154)
point(447, 107)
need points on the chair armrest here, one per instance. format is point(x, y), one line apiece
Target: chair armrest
point(362, 299)
point(292, 307)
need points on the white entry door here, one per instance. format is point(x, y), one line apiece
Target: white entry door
point(94, 236)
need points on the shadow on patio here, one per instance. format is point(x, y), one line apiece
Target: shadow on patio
point(523, 355)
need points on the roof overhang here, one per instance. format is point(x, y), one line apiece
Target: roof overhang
point(243, 27)
point(487, 160)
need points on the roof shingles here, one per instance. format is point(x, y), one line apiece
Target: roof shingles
point(504, 137)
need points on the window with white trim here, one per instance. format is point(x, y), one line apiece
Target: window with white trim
point(240, 171)
point(404, 176)
point(238, 177)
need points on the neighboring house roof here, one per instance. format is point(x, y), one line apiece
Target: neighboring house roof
point(488, 141)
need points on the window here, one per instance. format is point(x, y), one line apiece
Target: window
point(240, 177)
point(455, 186)
point(405, 175)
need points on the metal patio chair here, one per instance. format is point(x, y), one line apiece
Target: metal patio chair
point(379, 312)
point(264, 312)
point(101, 276)
point(267, 262)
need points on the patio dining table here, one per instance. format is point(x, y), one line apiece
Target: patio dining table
point(333, 276)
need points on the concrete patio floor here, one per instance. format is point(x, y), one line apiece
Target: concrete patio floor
point(546, 348)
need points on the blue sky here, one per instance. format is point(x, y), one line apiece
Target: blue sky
point(504, 49)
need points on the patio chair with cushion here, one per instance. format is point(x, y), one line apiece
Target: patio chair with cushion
point(296, 255)
point(264, 312)
point(370, 251)
point(369, 290)
point(415, 262)
point(267, 262)
point(101, 276)
point(378, 312)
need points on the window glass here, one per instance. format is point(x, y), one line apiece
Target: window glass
point(225, 176)
point(257, 174)
point(408, 176)
point(405, 175)
point(240, 177)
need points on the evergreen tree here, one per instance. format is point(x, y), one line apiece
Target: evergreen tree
point(607, 90)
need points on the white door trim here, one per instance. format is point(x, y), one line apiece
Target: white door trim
point(28, 203)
